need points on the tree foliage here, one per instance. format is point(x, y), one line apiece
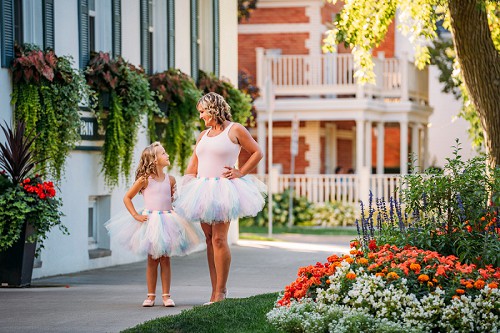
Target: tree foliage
point(362, 25)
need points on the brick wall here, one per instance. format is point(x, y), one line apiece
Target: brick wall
point(277, 15)
point(289, 43)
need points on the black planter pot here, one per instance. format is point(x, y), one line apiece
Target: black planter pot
point(16, 263)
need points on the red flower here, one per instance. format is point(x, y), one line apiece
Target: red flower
point(372, 245)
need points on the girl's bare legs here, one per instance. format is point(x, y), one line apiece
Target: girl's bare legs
point(219, 258)
point(207, 230)
point(151, 276)
point(165, 276)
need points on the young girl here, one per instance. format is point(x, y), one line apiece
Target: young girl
point(157, 231)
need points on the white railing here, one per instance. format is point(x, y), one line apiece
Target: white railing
point(333, 74)
point(341, 188)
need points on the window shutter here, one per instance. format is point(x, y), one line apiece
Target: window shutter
point(171, 33)
point(195, 50)
point(145, 35)
point(83, 31)
point(216, 37)
point(7, 31)
point(48, 24)
point(116, 12)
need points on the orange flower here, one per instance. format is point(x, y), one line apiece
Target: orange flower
point(423, 278)
point(354, 244)
point(349, 260)
point(392, 276)
point(493, 285)
point(363, 261)
point(327, 281)
point(469, 286)
point(380, 274)
point(456, 297)
point(479, 284)
point(353, 251)
point(415, 267)
point(350, 276)
point(430, 284)
point(460, 291)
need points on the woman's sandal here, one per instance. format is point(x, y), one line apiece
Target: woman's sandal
point(149, 302)
point(225, 296)
point(169, 303)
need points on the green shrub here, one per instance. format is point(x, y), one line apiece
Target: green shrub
point(333, 214)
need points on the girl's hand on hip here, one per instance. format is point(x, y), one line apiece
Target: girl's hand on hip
point(232, 173)
point(140, 218)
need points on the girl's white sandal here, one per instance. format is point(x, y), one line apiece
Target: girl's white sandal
point(148, 302)
point(169, 303)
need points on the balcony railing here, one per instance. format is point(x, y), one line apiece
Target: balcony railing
point(342, 188)
point(333, 75)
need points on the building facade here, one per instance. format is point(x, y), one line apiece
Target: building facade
point(342, 126)
point(156, 34)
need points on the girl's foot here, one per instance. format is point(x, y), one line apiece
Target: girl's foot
point(150, 301)
point(167, 301)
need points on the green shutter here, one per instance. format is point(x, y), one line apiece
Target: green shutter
point(145, 51)
point(7, 31)
point(216, 14)
point(48, 24)
point(195, 50)
point(83, 32)
point(116, 12)
point(171, 33)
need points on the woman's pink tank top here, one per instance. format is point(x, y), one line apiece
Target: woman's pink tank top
point(214, 153)
point(157, 194)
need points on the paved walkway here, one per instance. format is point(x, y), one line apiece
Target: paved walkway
point(109, 299)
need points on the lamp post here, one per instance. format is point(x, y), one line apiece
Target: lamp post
point(270, 180)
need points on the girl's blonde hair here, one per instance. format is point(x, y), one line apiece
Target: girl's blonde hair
point(216, 106)
point(147, 165)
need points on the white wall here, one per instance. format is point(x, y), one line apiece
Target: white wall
point(229, 40)
point(131, 31)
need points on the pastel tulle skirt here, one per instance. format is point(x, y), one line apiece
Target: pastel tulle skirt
point(216, 200)
point(165, 233)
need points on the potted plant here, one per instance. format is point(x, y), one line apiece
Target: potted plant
point(129, 100)
point(46, 94)
point(29, 208)
point(176, 119)
point(240, 102)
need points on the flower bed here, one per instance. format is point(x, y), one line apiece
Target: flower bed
point(390, 289)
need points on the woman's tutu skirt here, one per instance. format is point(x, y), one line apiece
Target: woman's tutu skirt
point(216, 200)
point(165, 233)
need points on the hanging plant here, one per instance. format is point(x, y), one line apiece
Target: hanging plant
point(177, 121)
point(240, 102)
point(127, 89)
point(46, 93)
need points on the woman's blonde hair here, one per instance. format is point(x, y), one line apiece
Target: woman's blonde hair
point(216, 106)
point(147, 165)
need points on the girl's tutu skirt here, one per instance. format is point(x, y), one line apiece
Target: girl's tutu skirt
point(216, 200)
point(164, 234)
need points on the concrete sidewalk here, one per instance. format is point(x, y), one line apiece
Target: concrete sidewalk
point(109, 299)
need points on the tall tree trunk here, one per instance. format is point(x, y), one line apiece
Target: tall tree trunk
point(480, 65)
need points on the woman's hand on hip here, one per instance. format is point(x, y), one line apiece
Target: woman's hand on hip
point(232, 173)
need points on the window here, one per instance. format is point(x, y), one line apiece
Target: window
point(98, 238)
point(25, 21)
point(99, 28)
point(158, 35)
point(208, 36)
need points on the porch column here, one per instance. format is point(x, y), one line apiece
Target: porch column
point(380, 147)
point(360, 141)
point(415, 145)
point(261, 139)
point(425, 148)
point(368, 145)
point(403, 147)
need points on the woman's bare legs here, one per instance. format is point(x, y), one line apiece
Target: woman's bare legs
point(152, 275)
point(219, 258)
point(207, 230)
point(165, 276)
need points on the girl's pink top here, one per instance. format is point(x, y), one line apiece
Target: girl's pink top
point(216, 152)
point(157, 194)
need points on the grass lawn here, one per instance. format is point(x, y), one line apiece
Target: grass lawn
point(231, 315)
point(343, 231)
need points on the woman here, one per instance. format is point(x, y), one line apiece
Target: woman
point(214, 191)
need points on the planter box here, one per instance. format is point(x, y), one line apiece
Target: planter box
point(16, 263)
